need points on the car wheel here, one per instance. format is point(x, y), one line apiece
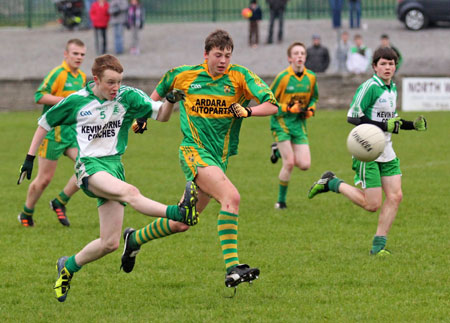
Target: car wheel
point(415, 19)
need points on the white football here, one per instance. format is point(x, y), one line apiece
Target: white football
point(366, 142)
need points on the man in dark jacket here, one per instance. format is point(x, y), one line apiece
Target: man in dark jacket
point(277, 8)
point(317, 58)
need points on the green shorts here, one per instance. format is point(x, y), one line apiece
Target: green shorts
point(369, 173)
point(88, 166)
point(52, 150)
point(191, 158)
point(289, 130)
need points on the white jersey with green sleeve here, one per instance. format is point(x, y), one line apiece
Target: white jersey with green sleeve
point(376, 101)
point(101, 126)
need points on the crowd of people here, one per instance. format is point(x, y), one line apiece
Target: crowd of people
point(119, 14)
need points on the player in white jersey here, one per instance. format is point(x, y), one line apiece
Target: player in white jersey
point(375, 103)
point(102, 114)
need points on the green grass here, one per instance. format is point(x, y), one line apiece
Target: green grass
point(313, 257)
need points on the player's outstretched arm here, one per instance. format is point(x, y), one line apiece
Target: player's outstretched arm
point(264, 109)
point(419, 124)
point(27, 167)
point(392, 125)
point(172, 97)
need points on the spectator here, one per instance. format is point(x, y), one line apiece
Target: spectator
point(99, 14)
point(385, 42)
point(118, 11)
point(342, 52)
point(135, 22)
point(253, 38)
point(87, 7)
point(354, 13)
point(277, 8)
point(336, 9)
point(317, 56)
point(359, 56)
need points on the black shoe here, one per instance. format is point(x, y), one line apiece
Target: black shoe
point(281, 205)
point(129, 252)
point(187, 205)
point(274, 155)
point(60, 211)
point(25, 220)
point(240, 274)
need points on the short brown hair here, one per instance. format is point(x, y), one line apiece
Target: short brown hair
point(386, 53)
point(293, 45)
point(220, 39)
point(74, 41)
point(106, 62)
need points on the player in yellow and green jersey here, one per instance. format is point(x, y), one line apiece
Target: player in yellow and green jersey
point(62, 81)
point(217, 97)
point(296, 90)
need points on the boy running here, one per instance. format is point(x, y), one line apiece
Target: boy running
point(375, 103)
point(217, 95)
point(102, 114)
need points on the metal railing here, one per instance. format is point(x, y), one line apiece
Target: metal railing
point(39, 12)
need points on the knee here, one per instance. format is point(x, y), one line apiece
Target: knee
point(232, 200)
point(304, 166)
point(288, 165)
point(131, 193)
point(110, 245)
point(372, 206)
point(395, 198)
point(42, 182)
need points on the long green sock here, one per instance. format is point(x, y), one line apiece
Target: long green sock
point(173, 213)
point(28, 211)
point(227, 227)
point(282, 191)
point(71, 265)
point(62, 198)
point(157, 229)
point(334, 184)
point(378, 243)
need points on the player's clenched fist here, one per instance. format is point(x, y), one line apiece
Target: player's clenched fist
point(140, 125)
point(239, 111)
point(175, 95)
point(26, 169)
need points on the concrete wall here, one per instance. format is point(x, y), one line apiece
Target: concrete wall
point(335, 91)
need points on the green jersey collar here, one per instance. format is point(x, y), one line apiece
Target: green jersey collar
point(380, 81)
point(89, 87)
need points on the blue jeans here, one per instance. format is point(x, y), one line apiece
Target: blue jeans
point(336, 8)
point(355, 10)
point(118, 38)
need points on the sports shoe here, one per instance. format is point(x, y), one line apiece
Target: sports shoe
point(25, 220)
point(62, 284)
point(273, 156)
point(240, 274)
point(383, 252)
point(187, 205)
point(129, 252)
point(280, 205)
point(321, 186)
point(60, 211)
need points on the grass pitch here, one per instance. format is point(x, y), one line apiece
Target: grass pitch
point(314, 257)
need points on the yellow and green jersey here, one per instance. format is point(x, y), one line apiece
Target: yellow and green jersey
point(60, 82)
point(206, 121)
point(289, 87)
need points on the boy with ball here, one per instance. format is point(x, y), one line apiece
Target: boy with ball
point(375, 103)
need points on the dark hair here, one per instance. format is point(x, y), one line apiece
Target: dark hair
point(220, 39)
point(293, 45)
point(74, 41)
point(386, 53)
point(384, 36)
point(106, 62)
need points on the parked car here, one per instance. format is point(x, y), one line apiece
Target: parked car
point(417, 14)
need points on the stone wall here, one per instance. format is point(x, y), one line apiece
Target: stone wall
point(335, 91)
